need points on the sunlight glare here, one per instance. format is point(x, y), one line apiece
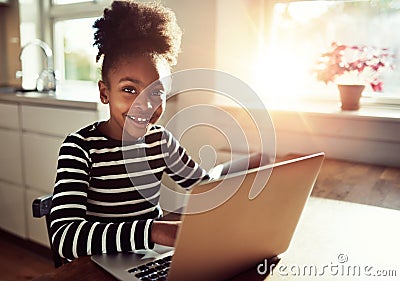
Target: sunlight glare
point(282, 69)
point(280, 72)
point(305, 11)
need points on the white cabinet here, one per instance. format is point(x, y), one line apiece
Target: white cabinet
point(55, 121)
point(10, 156)
point(9, 117)
point(31, 136)
point(12, 198)
point(40, 160)
point(43, 131)
point(10, 147)
point(12, 208)
point(36, 228)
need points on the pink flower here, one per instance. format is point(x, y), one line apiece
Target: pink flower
point(362, 63)
point(377, 86)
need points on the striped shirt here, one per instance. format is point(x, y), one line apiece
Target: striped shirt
point(106, 194)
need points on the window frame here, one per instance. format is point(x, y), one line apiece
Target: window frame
point(370, 99)
point(53, 13)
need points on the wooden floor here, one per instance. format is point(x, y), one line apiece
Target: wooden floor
point(340, 180)
point(359, 183)
point(21, 261)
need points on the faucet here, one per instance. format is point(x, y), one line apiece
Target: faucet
point(46, 81)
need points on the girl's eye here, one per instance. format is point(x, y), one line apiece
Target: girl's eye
point(129, 90)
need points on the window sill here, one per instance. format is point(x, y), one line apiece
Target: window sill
point(368, 109)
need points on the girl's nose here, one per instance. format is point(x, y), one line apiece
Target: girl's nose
point(143, 102)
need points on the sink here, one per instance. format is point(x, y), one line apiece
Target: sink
point(10, 89)
point(33, 91)
point(35, 94)
point(20, 90)
point(24, 92)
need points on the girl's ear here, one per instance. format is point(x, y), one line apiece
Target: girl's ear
point(103, 92)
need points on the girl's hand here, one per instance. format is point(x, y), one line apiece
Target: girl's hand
point(165, 232)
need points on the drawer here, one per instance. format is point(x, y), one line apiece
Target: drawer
point(10, 156)
point(40, 160)
point(9, 117)
point(55, 121)
point(12, 209)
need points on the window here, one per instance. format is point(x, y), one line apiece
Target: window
point(69, 33)
point(72, 33)
point(73, 44)
point(301, 30)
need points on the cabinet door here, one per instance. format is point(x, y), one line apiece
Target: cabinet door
point(36, 227)
point(10, 156)
point(40, 160)
point(9, 116)
point(55, 121)
point(12, 209)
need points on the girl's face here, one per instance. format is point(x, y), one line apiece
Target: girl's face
point(133, 105)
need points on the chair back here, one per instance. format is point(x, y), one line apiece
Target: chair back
point(41, 207)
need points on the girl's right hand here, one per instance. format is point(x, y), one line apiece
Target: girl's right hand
point(165, 232)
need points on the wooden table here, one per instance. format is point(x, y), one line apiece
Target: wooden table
point(83, 269)
point(334, 240)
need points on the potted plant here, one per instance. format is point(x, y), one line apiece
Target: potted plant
point(352, 67)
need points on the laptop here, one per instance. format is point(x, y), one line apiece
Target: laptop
point(238, 234)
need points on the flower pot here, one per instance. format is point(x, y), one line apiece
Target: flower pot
point(350, 96)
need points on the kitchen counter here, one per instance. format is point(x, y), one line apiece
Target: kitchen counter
point(79, 98)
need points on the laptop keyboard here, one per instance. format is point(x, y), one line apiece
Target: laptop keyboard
point(153, 270)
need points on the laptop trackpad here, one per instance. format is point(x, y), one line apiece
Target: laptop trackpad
point(118, 264)
point(157, 250)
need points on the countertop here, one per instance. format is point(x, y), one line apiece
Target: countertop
point(79, 97)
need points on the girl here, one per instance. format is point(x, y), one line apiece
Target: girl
point(108, 178)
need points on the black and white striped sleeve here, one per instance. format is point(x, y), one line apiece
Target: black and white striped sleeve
point(180, 166)
point(72, 234)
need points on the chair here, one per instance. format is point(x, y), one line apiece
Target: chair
point(41, 207)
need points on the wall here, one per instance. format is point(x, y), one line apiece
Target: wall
point(198, 22)
point(32, 59)
point(217, 35)
point(9, 44)
point(366, 139)
point(3, 64)
point(237, 41)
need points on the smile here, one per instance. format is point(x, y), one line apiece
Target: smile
point(142, 120)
